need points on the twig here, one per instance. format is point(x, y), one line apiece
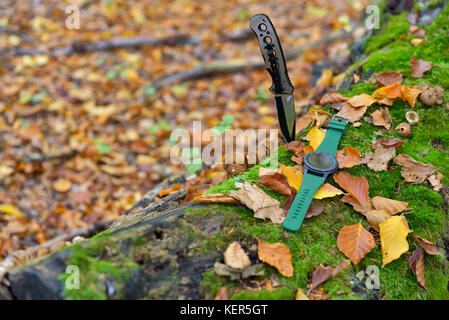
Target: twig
point(40, 157)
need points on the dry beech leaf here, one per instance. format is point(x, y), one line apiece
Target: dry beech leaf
point(327, 191)
point(319, 116)
point(62, 185)
point(378, 160)
point(355, 242)
point(300, 295)
point(313, 210)
point(316, 136)
point(277, 182)
point(323, 274)
point(429, 247)
point(419, 67)
point(395, 143)
point(389, 92)
point(297, 147)
point(215, 198)
point(416, 42)
point(410, 94)
point(414, 171)
point(356, 205)
point(235, 257)
point(388, 78)
point(222, 294)
point(303, 122)
point(376, 217)
point(276, 255)
point(389, 205)
point(263, 171)
point(381, 117)
point(435, 181)
point(257, 200)
point(416, 263)
point(354, 114)
point(332, 97)
point(393, 238)
point(361, 100)
point(357, 187)
point(348, 157)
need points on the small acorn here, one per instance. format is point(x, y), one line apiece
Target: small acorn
point(412, 117)
point(404, 129)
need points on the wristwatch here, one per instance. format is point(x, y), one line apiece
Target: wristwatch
point(318, 165)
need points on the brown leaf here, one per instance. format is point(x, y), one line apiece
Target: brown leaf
point(215, 198)
point(332, 97)
point(313, 210)
point(388, 78)
point(419, 67)
point(277, 182)
point(276, 255)
point(376, 217)
point(297, 147)
point(435, 181)
point(355, 242)
point(62, 185)
point(429, 247)
point(354, 114)
point(356, 205)
point(348, 157)
point(378, 160)
point(361, 100)
point(257, 200)
point(222, 294)
point(172, 189)
point(389, 205)
point(414, 171)
point(322, 274)
point(319, 116)
point(395, 143)
point(263, 171)
point(410, 94)
point(235, 257)
point(416, 263)
point(381, 117)
point(288, 202)
point(357, 187)
point(303, 122)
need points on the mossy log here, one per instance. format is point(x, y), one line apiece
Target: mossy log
point(167, 250)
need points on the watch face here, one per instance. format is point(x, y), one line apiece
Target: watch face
point(320, 161)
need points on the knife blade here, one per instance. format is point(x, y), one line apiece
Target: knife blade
point(281, 87)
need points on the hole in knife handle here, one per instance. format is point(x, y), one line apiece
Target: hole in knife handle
point(267, 40)
point(262, 27)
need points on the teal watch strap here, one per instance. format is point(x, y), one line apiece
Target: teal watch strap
point(335, 130)
point(309, 186)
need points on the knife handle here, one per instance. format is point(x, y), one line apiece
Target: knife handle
point(272, 53)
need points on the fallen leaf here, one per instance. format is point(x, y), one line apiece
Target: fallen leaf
point(393, 238)
point(300, 295)
point(276, 255)
point(435, 181)
point(11, 210)
point(316, 136)
point(332, 97)
point(361, 100)
point(235, 257)
point(348, 157)
point(263, 171)
point(303, 122)
point(62, 185)
point(297, 147)
point(355, 242)
point(410, 94)
point(378, 160)
point(222, 269)
point(414, 171)
point(319, 117)
point(5, 171)
point(395, 143)
point(376, 217)
point(327, 191)
point(354, 114)
point(381, 117)
point(215, 198)
point(356, 205)
point(419, 67)
point(416, 263)
point(323, 274)
point(357, 187)
point(429, 247)
point(389, 92)
point(222, 294)
point(389, 205)
point(257, 200)
point(416, 42)
point(277, 182)
point(313, 211)
point(325, 79)
point(388, 78)
point(170, 190)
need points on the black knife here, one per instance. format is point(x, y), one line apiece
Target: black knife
point(282, 88)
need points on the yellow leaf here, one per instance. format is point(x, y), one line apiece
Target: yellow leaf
point(393, 238)
point(327, 191)
point(300, 295)
point(11, 210)
point(316, 136)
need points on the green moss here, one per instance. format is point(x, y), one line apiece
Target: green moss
point(316, 242)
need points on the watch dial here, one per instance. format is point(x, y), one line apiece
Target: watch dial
point(320, 160)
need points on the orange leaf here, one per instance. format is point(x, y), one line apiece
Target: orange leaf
point(429, 247)
point(325, 273)
point(357, 187)
point(390, 92)
point(165, 192)
point(277, 182)
point(332, 97)
point(222, 294)
point(410, 94)
point(389, 205)
point(215, 198)
point(355, 242)
point(276, 255)
point(382, 118)
point(348, 157)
